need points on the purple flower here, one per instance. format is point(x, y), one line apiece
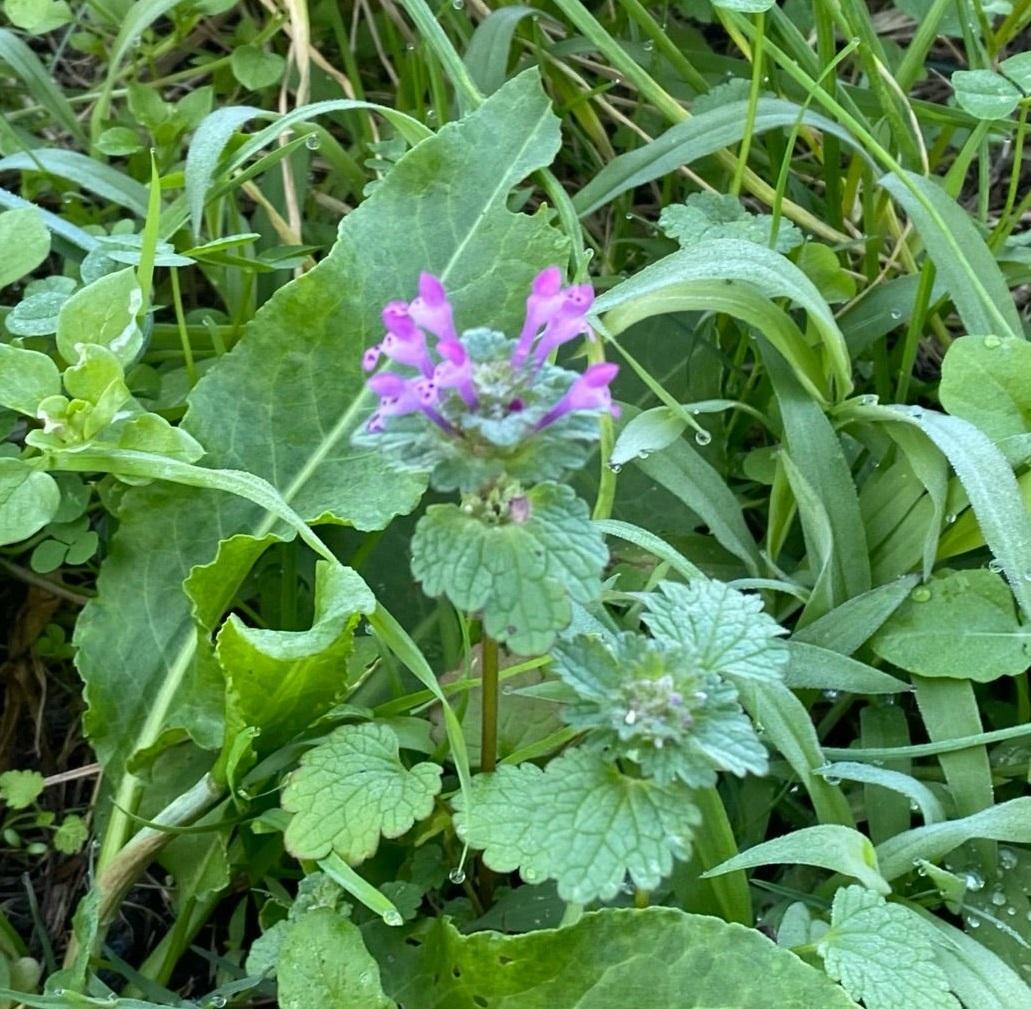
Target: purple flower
point(405, 342)
point(400, 396)
point(589, 392)
point(544, 301)
point(554, 315)
point(432, 310)
point(456, 371)
point(567, 323)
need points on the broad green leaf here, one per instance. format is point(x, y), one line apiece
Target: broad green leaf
point(1008, 821)
point(25, 242)
point(323, 962)
point(255, 68)
point(26, 378)
point(647, 432)
point(29, 499)
point(810, 666)
point(984, 93)
point(723, 631)
point(20, 789)
point(37, 17)
point(987, 381)
point(580, 822)
point(961, 624)
point(1018, 69)
point(104, 313)
point(829, 846)
point(883, 954)
point(297, 393)
point(351, 790)
point(820, 264)
point(522, 574)
point(281, 681)
point(658, 958)
point(973, 278)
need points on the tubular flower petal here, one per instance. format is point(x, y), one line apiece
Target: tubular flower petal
point(589, 392)
point(432, 310)
point(546, 298)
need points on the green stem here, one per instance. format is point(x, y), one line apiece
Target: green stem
point(489, 724)
point(753, 100)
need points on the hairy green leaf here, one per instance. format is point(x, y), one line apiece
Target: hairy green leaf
point(352, 789)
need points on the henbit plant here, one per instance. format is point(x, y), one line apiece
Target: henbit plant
point(593, 703)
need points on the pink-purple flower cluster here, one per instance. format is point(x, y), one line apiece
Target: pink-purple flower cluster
point(554, 316)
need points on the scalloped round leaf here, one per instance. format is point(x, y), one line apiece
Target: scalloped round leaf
point(656, 958)
point(883, 953)
point(29, 499)
point(725, 631)
point(579, 822)
point(961, 625)
point(351, 790)
point(521, 572)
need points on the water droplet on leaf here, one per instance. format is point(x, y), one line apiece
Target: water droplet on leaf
point(995, 565)
point(921, 594)
point(992, 342)
point(457, 876)
point(312, 142)
point(392, 918)
point(702, 438)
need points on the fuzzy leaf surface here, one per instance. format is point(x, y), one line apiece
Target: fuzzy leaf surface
point(352, 789)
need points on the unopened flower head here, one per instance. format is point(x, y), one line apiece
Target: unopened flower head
point(474, 405)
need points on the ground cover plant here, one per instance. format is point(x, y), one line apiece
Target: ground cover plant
point(514, 505)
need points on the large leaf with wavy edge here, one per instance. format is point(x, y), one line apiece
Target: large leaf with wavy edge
point(284, 403)
point(656, 958)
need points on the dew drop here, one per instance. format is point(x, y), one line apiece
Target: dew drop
point(896, 314)
point(921, 594)
point(58, 993)
point(974, 880)
point(832, 780)
point(649, 46)
point(312, 142)
point(870, 399)
point(1008, 858)
point(831, 695)
point(702, 438)
point(998, 898)
point(392, 918)
point(217, 1001)
point(410, 47)
point(1011, 910)
point(457, 876)
point(973, 923)
point(530, 875)
point(458, 4)
point(615, 467)
point(995, 565)
point(949, 519)
point(992, 342)
point(628, 216)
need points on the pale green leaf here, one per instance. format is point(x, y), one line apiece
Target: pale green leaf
point(916, 791)
point(813, 667)
point(723, 631)
point(36, 314)
point(71, 835)
point(829, 846)
point(580, 822)
point(323, 962)
point(29, 499)
point(984, 93)
point(281, 681)
point(104, 313)
point(520, 573)
point(26, 378)
point(37, 16)
point(20, 789)
point(297, 392)
point(1008, 821)
point(658, 958)
point(351, 790)
point(1018, 69)
point(25, 242)
point(961, 624)
point(987, 381)
point(119, 141)
point(647, 432)
point(705, 216)
point(255, 68)
point(883, 954)
point(486, 58)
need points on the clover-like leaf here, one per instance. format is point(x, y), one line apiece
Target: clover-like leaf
point(883, 954)
point(352, 789)
point(580, 822)
point(724, 631)
point(650, 703)
point(517, 558)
